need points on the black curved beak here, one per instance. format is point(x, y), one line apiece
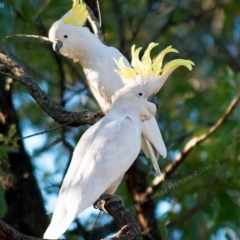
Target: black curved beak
point(57, 45)
point(154, 99)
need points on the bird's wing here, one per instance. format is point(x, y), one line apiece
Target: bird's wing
point(76, 161)
point(102, 79)
point(79, 152)
point(111, 151)
point(152, 141)
point(115, 53)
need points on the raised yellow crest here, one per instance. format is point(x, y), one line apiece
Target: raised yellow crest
point(77, 16)
point(146, 66)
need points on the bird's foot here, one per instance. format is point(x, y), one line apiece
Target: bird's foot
point(106, 199)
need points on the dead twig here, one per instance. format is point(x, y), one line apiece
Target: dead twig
point(95, 24)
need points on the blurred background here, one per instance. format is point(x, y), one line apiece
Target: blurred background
point(203, 206)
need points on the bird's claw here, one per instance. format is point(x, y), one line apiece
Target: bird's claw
point(106, 199)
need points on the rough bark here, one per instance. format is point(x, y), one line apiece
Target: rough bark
point(137, 183)
point(113, 205)
point(9, 233)
point(57, 112)
point(24, 200)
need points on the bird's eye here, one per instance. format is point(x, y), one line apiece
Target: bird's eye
point(65, 36)
point(140, 94)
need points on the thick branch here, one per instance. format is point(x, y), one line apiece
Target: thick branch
point(12, 69)
point(113, 205)
point(7, 232)
point(191, 144)
point(136, 180)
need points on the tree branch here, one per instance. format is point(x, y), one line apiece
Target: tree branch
point(95, 24)
point(113, 205)
point(136, 180)
point(192, 17)
point(190, 145)
point(12, 69)
point(7, 232)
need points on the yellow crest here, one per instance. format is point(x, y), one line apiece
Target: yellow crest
point(146, 66)
point(77, 16)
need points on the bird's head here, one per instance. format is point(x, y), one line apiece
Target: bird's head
point(147, 76)
point(133, 99)
point(151, 71)
point(65, 32)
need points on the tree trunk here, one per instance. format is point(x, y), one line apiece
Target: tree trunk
point(137, 183)
point(25, 211)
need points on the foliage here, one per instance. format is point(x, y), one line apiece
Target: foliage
point(8, 144)
point(206, 32)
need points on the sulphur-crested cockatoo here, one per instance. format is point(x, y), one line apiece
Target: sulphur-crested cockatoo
point(108, 148)
point(75, 41)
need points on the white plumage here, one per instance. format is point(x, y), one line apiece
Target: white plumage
point(78, 43)
point(108, 148)
point(104, 153)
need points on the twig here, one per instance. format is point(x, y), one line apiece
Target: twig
point(99, 13)
point(28, 36)
point(39, 133)
point(204, 199)
point(170, 23)
point(186, 216)
point(95, 24)
point(172, 142)
point(7, 232)
point(11, 68)
point(158, 181)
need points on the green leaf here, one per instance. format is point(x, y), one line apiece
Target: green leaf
point(3, 154)
point(3, 204)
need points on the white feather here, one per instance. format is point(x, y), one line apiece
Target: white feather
point(97, 61)
point(102, 158)
point(104, 153)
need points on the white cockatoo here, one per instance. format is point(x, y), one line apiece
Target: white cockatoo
point(108, 148)
point(75, 41)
